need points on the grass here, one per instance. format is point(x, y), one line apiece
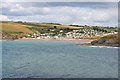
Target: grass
point(12, 27)
point(95, 37)
point(21, 28)
point(112, 38)
point(47, 25)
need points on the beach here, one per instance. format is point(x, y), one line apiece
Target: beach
point(74, 40)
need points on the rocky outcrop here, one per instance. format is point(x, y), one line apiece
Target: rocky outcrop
point(6, 36)
point(111, 40)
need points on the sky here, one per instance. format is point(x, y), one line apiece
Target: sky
point(59, 0)
point(76, 13)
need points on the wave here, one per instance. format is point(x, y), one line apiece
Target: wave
point(105, 47)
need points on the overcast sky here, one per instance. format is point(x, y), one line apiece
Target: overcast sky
point(81, 13)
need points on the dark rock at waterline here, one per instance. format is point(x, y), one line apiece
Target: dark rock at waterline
point(104, 43)
point(98, 42)
point(101, 41)
point(115, 45)
point(108, 42)
point(6, 36)
point(94, 42)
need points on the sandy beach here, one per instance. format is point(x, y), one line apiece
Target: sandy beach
point(76, 40)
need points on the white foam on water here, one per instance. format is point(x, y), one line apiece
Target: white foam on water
point(105, 47)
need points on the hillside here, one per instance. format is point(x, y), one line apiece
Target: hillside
point(12, 27)
point(47, 25)
point(14, 30)
point(109, 40)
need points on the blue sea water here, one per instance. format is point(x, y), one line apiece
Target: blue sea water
point(57, 59)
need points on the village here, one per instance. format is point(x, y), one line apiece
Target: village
point(73, 34)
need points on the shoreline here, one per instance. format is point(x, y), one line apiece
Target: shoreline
point(75, 40)
point(97, 45)
point(87, 42)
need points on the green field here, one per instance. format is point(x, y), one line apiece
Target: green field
point(11, 27)
point(23, 28)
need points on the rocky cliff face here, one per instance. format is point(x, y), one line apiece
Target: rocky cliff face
point(110, 40)
point(6, 36)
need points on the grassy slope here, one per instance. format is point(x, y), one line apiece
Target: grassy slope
point(23, 27)
point(61, 26)
point(14, 27)
point(112, 38)
point(109, 40)
point(46, 25)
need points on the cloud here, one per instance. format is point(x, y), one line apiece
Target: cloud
point(65, 13)
point(46, 18)
point(4, 18)
point(59, 0)
point(33, 8)
point(100, 17)
point(70, 4)
point(16, 9)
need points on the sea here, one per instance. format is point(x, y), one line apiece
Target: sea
point(57, 59)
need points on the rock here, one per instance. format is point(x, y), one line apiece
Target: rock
point(98, 42)
point(115, 45)
point(101, 41)
point(107, 42)
point(94, 42)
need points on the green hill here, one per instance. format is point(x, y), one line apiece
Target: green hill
point(22, 29)
point(12, 27)
point(47, 25)
point(19, 29)
point(12, 30)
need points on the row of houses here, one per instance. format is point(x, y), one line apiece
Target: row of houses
point(74, 34)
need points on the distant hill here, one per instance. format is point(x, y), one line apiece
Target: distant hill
point(14, 30)
point(48, 25)
point(18, 29)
